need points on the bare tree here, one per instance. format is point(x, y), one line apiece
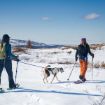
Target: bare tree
point(29, 44)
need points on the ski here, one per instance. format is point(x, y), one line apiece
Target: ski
point(17, 87)
point(11, 89)
point(78, 82)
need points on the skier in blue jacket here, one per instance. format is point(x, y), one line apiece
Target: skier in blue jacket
point(6, 58)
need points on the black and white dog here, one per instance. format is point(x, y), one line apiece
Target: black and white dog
point(54, 71)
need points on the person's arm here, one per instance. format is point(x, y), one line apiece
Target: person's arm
point(76, 55)
point(90, 51)
point(9, 53)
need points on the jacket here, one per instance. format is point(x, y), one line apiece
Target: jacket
point(8, 53)
point(82, 52)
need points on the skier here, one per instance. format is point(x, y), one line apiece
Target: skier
point(82, 53)
point(6, 60)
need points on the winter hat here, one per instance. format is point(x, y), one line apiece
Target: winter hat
point(5, 38)
point(83, 39)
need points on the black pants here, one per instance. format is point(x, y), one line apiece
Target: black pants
point(7, 64)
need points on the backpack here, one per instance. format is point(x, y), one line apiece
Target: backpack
point(2, 51)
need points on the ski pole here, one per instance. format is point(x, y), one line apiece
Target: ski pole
point(16, 71)
point(92, 68)
point(71, 72)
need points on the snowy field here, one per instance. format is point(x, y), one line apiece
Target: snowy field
point(33, 91)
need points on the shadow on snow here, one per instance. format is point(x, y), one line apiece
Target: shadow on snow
point(88, 81)
point(23, 90)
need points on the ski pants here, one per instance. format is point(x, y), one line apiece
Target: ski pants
point(83, 68)
point(7, 64)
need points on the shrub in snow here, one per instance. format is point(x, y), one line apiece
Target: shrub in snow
point(103, 64)
point(18, 49)
point(69, 52)
point(97, 65)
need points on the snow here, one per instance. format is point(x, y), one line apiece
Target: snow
point(33, 91)
point(100, 56)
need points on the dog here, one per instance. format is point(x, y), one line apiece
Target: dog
point(54, 71)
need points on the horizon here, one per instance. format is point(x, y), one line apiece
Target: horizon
point(56, 43)
point(53, 21)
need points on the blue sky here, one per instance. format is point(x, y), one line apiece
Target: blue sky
point(53, 21)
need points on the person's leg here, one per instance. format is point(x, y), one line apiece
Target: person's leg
point(81, 69)
point(1, 68)
point(8, 66)
point(85, 63)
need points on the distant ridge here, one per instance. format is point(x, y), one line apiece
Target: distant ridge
point(23, 43)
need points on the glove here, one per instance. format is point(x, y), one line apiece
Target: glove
point(16, 59)
point(76, 58)
point(92, 55)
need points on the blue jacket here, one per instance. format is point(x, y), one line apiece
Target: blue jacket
point(8, 53)
point(82, 52)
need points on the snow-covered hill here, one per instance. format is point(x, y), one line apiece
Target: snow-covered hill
point(34, 92)
point(23, 43)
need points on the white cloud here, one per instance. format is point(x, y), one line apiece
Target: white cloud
point(92, 16)
point(45, 18)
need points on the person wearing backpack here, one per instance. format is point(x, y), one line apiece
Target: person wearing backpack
point(82, 53)
point(6, 58)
